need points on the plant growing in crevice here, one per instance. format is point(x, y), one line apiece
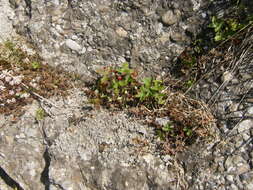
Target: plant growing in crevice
point(116, 86)
point(151, 92)
point(165, 131)
point(224, 28)
point(119, 87)
point(174, 131)
point(22, 75)
point(229, 27)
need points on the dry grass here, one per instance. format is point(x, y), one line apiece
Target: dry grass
point(188, 118)
point(183, 113)
point(231, 58)
point(24, 77)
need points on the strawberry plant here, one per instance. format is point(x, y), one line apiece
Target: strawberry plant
point(117, 86)
point(151, 92)
point(120, 88)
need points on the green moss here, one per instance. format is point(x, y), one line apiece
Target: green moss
point(40, 114)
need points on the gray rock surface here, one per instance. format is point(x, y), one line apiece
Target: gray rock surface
point(21, 150)
point(79, 147)
point(6, 16)
point(171, 17)
point(230, 98)
point(110, 32)
point(73, 45)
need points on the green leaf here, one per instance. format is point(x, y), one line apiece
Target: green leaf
point(218, 37)
point(104, 79)
point(147, 82)
point(161, 134)
point(187, 131)
point(167, 128)
point(35, 65)
point(124, 69)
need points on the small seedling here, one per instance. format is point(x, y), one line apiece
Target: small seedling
point(120, 86)
point(189, 83)
point(224, 28)
point(35, 65)
point(167, 130)
point(187, 131)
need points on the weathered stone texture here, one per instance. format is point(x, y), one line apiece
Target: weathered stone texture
point(81, 35)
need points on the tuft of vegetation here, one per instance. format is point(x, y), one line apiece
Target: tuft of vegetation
point(225, 28)
point(119, 87)
point(151, 92)
point(116, 86)
point(23, 76)
point(189, 67)
point(40, 114)
point(149, 99)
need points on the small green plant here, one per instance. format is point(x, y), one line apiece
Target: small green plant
point(189, 83)
point(169, 131)
point(40, 114)
point(166, 130)
point(188, 131)
point(35, 65)
point(152, 91)
point(119, 86)
point(168, 127)
point(225, 28)
point(116, 85)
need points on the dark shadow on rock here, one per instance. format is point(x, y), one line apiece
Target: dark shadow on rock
point(9, 181)
point(45, 173)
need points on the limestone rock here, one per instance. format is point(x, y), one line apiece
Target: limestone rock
point(73, 45)
point(245, 125)
point(109, 29)
point(6, 15)
point(171, 17)
point(78, 149)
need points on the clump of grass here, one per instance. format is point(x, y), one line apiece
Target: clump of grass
point(22, 75)
point(119, 87)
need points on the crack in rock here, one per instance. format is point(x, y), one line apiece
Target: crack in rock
point(29, 7)
point(9, 181)
point(58, 185)
point(45, 173)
